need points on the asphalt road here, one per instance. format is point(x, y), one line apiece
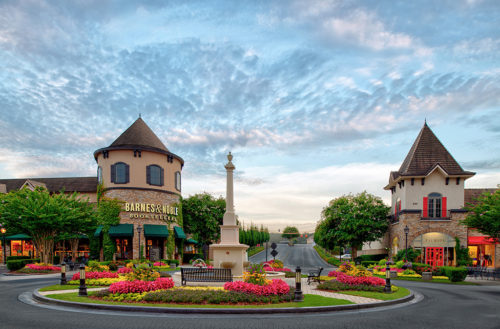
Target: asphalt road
point(302, 255)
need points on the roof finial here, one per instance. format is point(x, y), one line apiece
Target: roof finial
point(139, 115)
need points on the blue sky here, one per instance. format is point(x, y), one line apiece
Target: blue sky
point(314, 98)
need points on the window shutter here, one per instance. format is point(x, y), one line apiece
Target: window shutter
point(396, 210)
point(113, 173)
point(443, 206)
point(425, 212)
point(127, 174)
point(161, 176)
point(148, 175)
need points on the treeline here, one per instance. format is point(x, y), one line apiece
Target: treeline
point(253, 236)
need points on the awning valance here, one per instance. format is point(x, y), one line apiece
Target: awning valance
point(98, 232)
point(481, 240)
point(21, 236)
point(193, 241)
point(156, 231)
point(121, 231)
point(179, 232)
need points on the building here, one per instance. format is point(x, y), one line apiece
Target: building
point(428, 198)
point(138, 169)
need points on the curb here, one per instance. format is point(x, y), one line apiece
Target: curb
point(132, 308)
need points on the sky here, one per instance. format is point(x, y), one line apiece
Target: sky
point(315, 99)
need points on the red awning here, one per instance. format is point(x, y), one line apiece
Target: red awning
point(481, 240)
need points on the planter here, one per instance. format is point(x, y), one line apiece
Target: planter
point(227, 264)
point(394, 274)
point(426, 276)
point(246, 264)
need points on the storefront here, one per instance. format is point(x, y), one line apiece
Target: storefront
point(436, 249)
point(482, 250)
point(20, 245)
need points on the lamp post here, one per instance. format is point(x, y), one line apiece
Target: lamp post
point(139, 230)
point(387, 288)
point(63, 273)
point(82, 291)
point(407, 230)
point(4, 247)
point(299, 297)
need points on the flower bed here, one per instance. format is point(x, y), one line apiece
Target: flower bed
point(184, 296)
point(137, 286)
point(276, 287)
point(43, 267)
point(124, 270)
point(357, 280)
point(97, 282)
point(95, 275)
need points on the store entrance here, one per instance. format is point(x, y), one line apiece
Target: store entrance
point(434, 256)
point(154, 248)
point(124, 248)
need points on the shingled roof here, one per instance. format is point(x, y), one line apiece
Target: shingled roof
point(139, 135)
point(426, 153)
point(471, 194)
point(68, 184)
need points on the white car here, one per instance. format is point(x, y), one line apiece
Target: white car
point(346, 256)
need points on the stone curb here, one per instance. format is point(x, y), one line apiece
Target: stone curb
point(132, 308)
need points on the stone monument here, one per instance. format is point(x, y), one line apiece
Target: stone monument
point(229, 253)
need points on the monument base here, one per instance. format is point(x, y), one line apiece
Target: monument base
point(230, 254)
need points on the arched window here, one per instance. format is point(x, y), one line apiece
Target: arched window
point(120, 173)
point(434, 206)
point(154, 175)
point(99, 175)
point(178, 181)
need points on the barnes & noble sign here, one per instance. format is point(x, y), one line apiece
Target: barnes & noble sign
point(152, 211)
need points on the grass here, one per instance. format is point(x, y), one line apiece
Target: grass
point(255, 250)
point(309, 301)
point(326, 256)
point(465, 283)
point(402, 292)
point(57, 287)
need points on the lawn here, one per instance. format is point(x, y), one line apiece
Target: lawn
point(432, 281)
point(402, 292)
point(309, 301)
point(57, 287)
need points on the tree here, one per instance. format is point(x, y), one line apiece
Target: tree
point(290, 232)
point(352, 220)
point(203, 216)
point(44, 216)
point(484, 216)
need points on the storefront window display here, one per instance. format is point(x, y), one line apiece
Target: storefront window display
point(482, 255)
point(22, 248)
point(124, 248)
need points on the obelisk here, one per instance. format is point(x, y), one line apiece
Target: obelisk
point(229, 250)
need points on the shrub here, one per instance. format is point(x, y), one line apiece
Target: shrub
point(187, 258)
point(382, 262)
point(124, 287)
point(255, 275)
point(371, 258)
point(113, 266)
point(95, 266)
point(170, 261)
point(276, 287)
point(17, 257)
point(143, 272)
point(17, 264)
point(412, 254)
point(367, 263)
point(455, 274)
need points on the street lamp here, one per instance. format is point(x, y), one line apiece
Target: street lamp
point(407, 230)
point(63, 273)
point(139, 230)
point(299, 297)
point(4, 248)
point(387, 288)
point(82, 291)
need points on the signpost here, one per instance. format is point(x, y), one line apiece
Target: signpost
point(274, 252)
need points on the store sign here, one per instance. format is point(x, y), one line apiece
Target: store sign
point(152, 211)
point(434, 239)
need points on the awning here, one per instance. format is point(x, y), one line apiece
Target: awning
point(21, 236)
point(156, 231)
point(179, 232)
point(98, 232)
point(191, 241)
point(121, 231)
point(481, 240)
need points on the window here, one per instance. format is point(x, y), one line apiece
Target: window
point(99, 175)
point(120, 173)
point(178, 181)
point(154, 175)
point(435, 206)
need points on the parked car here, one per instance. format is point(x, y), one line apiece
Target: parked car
point(346, 256)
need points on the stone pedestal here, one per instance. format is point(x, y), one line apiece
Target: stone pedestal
point(394, 274)
point(426, 276)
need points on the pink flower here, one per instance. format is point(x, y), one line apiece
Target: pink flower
point(276, 287)
point(43, 267)
point(138, 286)
point(124, 270)
point(159, 264)
point(358, 280)
point(95, 275)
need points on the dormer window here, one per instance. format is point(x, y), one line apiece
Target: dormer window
point(154, 175)
point(120, 173)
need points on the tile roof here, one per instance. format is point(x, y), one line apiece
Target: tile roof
point(139, 135)
point(69, 184)
point(471, 194)
point(426, 153)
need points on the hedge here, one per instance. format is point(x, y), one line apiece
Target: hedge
point(377, 257)
point(17, 257)
point(455, 274)
point(367, 263)
point(17, 264)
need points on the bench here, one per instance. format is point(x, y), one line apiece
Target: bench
point(313, 276)
point(194, 274)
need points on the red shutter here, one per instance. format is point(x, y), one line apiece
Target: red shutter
point(443, 206)
point(425, 212)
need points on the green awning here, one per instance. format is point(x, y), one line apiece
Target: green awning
point(156, 231)
point(98, 232)
point(191, 241)
point(21, 236)
point(179, 232)
point(121, 230)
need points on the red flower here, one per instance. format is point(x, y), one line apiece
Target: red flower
point(276, 287)
point(95, 275)
point(138, 286)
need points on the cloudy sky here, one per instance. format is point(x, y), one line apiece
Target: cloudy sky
point(314, 98)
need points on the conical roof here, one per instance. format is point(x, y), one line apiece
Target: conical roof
point(139, 135)
point(426, 153)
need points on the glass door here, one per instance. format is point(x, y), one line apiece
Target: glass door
point(434, 256)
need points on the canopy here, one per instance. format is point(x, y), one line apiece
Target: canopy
point(179, 232)
point(21, 236)
point(481, 240)
point(193, 241)
point(156, 231)
point(98, 232)
point(121, 230)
